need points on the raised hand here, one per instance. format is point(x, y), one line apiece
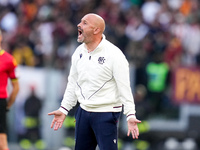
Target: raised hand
point(58, 119)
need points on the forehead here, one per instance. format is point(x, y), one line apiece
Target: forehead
point(89, 18)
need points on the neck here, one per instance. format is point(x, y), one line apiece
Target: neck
point(91, 46)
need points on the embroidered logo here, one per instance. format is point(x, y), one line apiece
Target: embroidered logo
point(101, 60)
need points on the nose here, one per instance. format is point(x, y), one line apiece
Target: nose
point(79, 25)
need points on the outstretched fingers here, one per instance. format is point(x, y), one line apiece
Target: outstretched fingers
point(58, 119)
point(56, 124)
point(52, 123)
point(135, 133)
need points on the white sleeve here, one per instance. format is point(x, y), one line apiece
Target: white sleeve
point(122, 78)
point(69, 98)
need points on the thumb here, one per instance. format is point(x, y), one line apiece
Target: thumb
point(138, 121)
point(52, 113)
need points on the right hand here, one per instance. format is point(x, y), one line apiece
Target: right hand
point(58, 119)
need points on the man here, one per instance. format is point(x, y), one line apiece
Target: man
point(7, 71)
point(99, 80)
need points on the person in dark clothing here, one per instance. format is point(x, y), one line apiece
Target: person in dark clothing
point(32, 109)
point(158, 75)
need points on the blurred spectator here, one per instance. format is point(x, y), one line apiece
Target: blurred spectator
point(32, 136)
point(36, 45)
point(29, 9)
point(23, 54)
point(45, 29)
point(122, 40)
point(164, 15)
point(157, 81)
point(178, 26)
point(174, 4)
point(9, 21)
point(136, 30)
point(191, 42)
point(149, 10)
point(172, 54)
point(189, 6)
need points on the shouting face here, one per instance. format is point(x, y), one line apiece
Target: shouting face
point(91, 26)
point(85, 29)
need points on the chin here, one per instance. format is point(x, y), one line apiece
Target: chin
point(80, 40)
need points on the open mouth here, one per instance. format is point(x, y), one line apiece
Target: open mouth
point(80, 31)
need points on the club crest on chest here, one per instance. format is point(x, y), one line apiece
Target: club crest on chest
point(101, 60)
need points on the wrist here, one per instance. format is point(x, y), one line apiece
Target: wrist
point(130, 116)
point(63, 110)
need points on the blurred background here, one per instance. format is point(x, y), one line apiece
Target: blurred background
point(161, 40)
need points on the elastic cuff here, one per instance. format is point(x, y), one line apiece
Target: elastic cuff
point(130, 116)
point(63, 110)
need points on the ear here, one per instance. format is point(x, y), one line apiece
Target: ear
point(96, 30)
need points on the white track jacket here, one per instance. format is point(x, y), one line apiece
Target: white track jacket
point(99, 80)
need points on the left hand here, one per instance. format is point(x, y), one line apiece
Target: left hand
point(133, 128)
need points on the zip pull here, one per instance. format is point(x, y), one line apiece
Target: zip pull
point(90, 58)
